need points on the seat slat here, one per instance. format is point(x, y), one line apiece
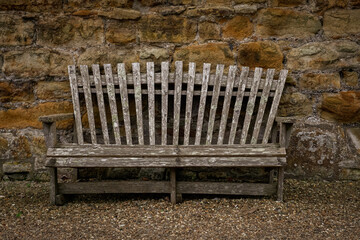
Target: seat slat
point(189, 99)
point(177, 101)
point(240, 93)
point(201, 110)
point(250, 105)
point(262, 106)
point(151, 101)
point(170, 150)
point(88, 101)
point(221, 161)
point(100, 100)
point(226, 105)
point(164, 101)
point(275, 104)
point(214, 102)
point(124, 101)
point(76, 103)
point(112, 102)
point(138, 102)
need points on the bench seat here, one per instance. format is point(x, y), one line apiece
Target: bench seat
point(267, 155)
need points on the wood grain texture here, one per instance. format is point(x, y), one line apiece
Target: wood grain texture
point(112, 102)
point(177, 101)
point(189, 101)
point(124, 101)
point(76, 103)
point(262, 105)
point(168, 151)
point(138, 102)
point(151, 100)
point(240, 93)
point(88, 102)
point(221, 161)
point(101, 104)
point(226, 104)
point(164, 101)
point(255, 189)
point(250, 105)
point(173, 185)
point(275, 104)
point(214, 102)
point(197, 80)
point(202, 102)
point(56, 117)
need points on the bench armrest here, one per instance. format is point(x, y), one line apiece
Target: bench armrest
point(56, 117)
point(49, 126)
point(286, 125)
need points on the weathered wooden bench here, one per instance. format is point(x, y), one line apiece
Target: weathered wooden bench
point(205, 120)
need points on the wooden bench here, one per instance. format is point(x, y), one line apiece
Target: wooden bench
point(181, 119)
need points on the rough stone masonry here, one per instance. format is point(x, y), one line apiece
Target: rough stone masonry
point(317, 40)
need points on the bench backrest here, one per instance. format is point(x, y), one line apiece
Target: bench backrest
point(179, 108)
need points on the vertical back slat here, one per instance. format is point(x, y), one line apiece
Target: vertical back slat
point(238, 103)
point(177, 100)
point(262, 105)
point(251, 104)
point(214, 102)
point(204, 87)
point(275, 104)
point(112, 101)
point(189, 100)
point(76, 103)
point(151, 100)
point(100, 100)
point(88, 101)
point(227, 101)
point(124, 101)
point(164, 100)
point(138, 102)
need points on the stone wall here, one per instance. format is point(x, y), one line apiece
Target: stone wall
point(317, 40)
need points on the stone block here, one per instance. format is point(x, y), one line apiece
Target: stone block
point(153, 54)
point(323, 5)
point(245, 8)
point(16, 92)
point(341, 107)
point(249, 1)
point(36, 63)
point(342, 23)
point(218, 3)
point(28, 117)
point(318, 81)
point(71, 32)
point(238, 28)
point(314, 152)
point(210, 11)
point(155, 28)
point(214, 53)
point(169, 10)
point(151, 3)
point(287, 3)
point(53, 90)
point(70, 5)
point(324, 55)
point(31, 5)
point(120, 14)
point(260, 54)
point(209, 31)
point(350, 78)
point(121, 32)
point(294, 104)
point(274, 22)
point(15, 31)
point(4, 145)
point(16, 167)
point(110, 55)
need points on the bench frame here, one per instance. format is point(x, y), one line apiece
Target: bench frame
point(177, 157)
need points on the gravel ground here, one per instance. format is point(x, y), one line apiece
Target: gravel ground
point(311, 210)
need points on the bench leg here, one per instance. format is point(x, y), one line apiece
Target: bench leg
point(174, 196)
point(280, 184)
point(55, 197)
point(271, 177)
